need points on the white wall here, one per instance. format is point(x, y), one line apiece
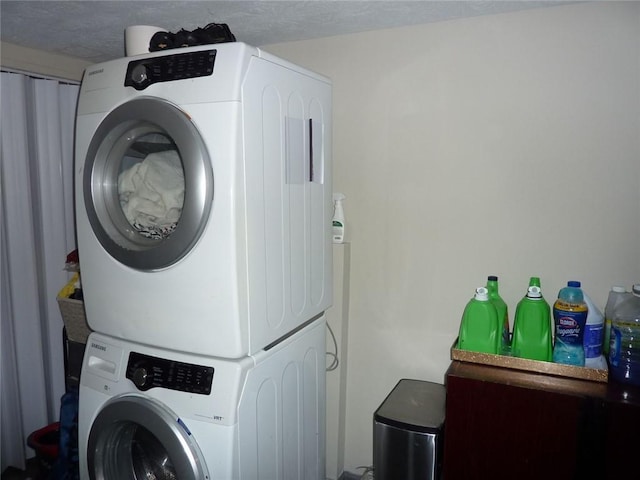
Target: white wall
point(506, 145)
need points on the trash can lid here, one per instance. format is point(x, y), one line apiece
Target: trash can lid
point(414, 405)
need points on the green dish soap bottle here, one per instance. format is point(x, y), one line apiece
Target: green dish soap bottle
point(480, 330)
point(532, 329)
point(503, 312)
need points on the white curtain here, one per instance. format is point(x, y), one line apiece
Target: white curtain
point(37, 232)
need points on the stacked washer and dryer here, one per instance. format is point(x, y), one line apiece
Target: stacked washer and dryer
point(204, 205)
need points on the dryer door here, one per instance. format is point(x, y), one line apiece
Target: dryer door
point(148, 184)
point(135, 438)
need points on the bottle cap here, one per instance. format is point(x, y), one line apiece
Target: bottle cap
point(482, 294)
point(492, 278)
point(534, 281)
point(636, 290)
point(618, 289)
point(573, 283)
point(534, 292)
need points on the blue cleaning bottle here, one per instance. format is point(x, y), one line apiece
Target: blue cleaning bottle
point(570, 316)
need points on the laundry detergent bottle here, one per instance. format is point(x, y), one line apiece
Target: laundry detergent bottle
point(532, 337)
point(570, 316)
point(480, 330)
point(503, 312)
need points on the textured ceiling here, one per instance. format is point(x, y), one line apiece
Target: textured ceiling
point(94, 30)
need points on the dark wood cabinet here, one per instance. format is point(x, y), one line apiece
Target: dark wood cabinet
point(516, 425)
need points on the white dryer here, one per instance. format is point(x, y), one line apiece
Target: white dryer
point(203, 198)
point(151, 413)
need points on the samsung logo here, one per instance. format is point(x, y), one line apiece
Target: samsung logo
point(95, 72)
point(98, 346)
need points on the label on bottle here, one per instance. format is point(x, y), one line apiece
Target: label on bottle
point(593, 335)
point(614, 347)
point(338, 231)
point(607, 335)
point(570, 322)
point(506, 338)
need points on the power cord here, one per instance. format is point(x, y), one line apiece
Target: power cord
point(333, 356)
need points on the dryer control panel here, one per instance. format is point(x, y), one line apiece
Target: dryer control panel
point(147, 71)
point(148, 372)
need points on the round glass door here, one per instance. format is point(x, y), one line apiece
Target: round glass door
point(135, 438)
point(148, 184)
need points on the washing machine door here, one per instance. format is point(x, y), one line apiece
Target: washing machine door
point(148, 183)
point(136, 438)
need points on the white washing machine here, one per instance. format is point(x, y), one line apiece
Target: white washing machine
point(150, 413)
point(203, 198)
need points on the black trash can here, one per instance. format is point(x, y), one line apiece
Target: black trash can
point(408, 432)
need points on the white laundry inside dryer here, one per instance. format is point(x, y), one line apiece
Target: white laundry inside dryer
point(151, 193)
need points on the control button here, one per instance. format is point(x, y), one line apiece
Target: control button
point(142, 378)
point(139, 74)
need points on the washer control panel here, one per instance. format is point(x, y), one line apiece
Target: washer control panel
point(147, 71)
point(148, 372)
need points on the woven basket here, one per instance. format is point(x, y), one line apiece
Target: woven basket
point(74, 319)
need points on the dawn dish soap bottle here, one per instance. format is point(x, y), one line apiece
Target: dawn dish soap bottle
point(570, 316)
point(480, 330)
point(503, 312)
point(532, 337)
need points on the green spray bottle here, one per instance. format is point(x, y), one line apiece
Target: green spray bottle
point(532, 326)
point(480, 330)
point(503, 312)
